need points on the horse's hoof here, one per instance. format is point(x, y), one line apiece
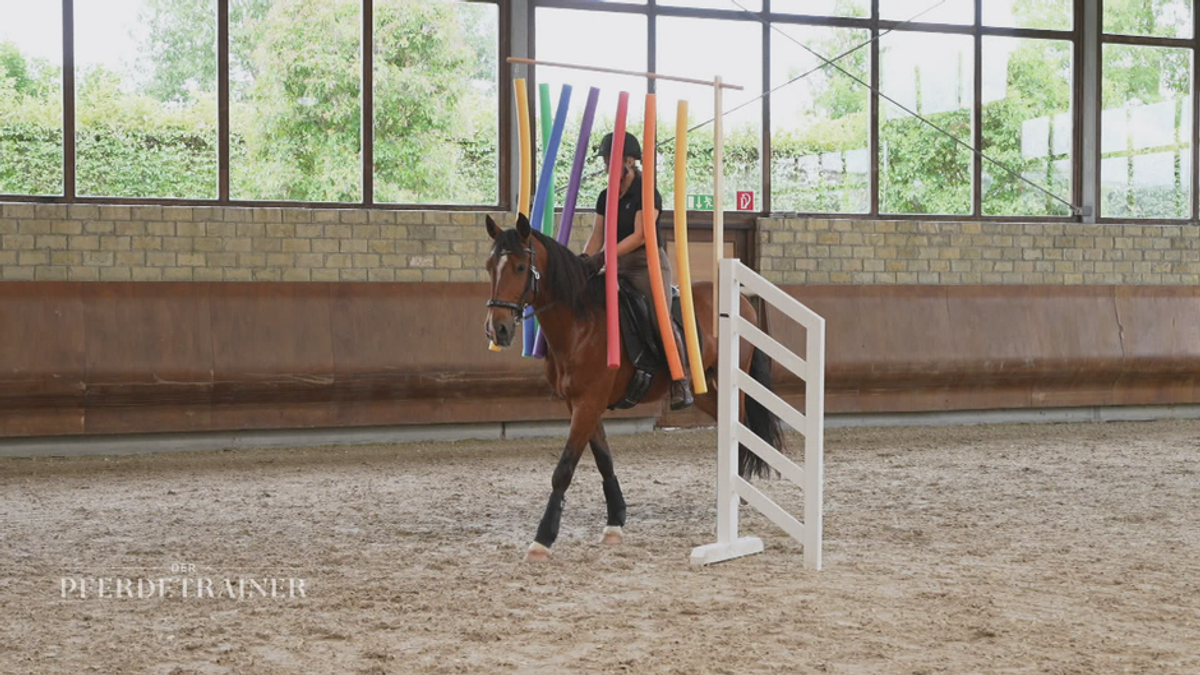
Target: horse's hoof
point(612, 535)
point(537, 553)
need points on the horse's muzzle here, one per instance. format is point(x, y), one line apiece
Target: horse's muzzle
point(502, 334)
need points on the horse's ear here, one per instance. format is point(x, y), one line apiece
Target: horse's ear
point(523, 227)
point(492, 228)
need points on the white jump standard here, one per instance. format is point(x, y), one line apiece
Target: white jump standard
point(731, 432)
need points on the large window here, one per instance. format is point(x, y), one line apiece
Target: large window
point(436, 102)
point(1146, 121)
point(1146, 132)
point(146, 99)
point(820, 123)
point(585, 37)
point(1149, 18)
point(704, 48)
point(1027, 125)
point(996, 109)
point(31, 104)
point(297, 122)
point(952, 85)
point(929, 80)
point(292, 115)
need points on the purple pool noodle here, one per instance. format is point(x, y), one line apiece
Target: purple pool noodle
point(581, 150)
point(568, 215)
point(542, 199)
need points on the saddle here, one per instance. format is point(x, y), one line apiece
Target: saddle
point(642, 340)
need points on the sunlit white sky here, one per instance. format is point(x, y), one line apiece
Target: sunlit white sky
point(691, 47)
point(102, 29)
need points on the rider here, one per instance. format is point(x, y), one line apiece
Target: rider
point(631, 245)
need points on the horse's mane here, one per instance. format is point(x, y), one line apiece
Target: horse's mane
point(564, 276)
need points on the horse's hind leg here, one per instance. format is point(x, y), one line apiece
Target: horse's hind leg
point(584, 418)
point(612, 488)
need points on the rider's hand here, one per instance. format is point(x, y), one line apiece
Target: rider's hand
point(592, 263)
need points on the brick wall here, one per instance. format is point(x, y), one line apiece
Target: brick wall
point(831, 251)
point(154, 243)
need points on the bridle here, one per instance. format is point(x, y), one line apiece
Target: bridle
point(531, 284)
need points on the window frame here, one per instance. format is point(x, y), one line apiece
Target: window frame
point(366, 127)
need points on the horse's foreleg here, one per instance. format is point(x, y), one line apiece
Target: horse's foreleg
point(612, 488)
point(584, 418)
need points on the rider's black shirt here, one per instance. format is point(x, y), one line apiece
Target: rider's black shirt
point(628, 206)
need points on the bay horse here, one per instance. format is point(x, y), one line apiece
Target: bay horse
point(529, 269)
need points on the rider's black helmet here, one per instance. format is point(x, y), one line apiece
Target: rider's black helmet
point(632, 147)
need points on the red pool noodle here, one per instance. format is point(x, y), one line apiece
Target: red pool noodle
point(616, 165)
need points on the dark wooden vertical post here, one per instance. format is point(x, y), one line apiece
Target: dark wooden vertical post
point(504, 95)
point(875, 119)
point(1195, 131)
point(68, 87)
point(368, 102)
point(764, 204)
point(223, 101)
point(977, 116)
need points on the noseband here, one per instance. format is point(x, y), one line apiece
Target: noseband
point(531, 284)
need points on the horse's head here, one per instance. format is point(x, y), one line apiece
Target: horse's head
point(513, 268)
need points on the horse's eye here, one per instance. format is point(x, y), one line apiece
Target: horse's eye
point(520, 268)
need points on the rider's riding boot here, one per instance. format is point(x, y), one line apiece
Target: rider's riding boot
point(681, 390)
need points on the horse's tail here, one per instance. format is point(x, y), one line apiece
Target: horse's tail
point(759, 420)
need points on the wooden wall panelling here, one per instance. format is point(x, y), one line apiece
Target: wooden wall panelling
point(42, 382)
point(272, 355)
point(149, 356)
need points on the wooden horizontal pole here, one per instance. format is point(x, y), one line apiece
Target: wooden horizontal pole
point(615, 71)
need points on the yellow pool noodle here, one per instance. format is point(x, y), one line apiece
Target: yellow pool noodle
point(682, 263)
point(523, 195)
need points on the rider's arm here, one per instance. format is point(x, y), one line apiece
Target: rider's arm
point(638, 239)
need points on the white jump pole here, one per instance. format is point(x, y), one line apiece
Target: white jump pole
point(718, 190)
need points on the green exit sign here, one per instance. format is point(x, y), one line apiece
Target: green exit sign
point(700, 202)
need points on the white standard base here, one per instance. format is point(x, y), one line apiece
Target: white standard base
point(715, 553)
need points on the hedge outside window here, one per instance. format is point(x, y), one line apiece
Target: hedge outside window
point(296, 112)
point(436, 102)
point(146, 120)
point(31, 105)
